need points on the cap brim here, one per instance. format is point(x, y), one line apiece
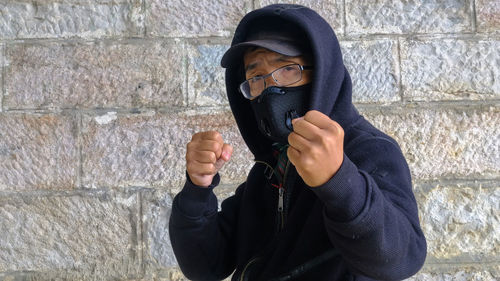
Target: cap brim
point(235, 53)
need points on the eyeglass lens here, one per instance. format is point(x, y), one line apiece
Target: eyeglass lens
point(283, 76)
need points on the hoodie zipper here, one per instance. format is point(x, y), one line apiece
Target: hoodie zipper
point(281, 195)
point(281, 203)
point(281, 213)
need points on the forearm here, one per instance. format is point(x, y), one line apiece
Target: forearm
point(199, 238)
point(375, 227)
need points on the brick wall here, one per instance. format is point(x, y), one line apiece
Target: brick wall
point(99, 97)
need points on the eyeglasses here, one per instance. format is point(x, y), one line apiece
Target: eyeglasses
point(283, 76)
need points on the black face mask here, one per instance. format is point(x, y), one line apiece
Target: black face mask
point(275, 108)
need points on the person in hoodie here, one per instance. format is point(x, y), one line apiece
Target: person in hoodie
point(329, 196)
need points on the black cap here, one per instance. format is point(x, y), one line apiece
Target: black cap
point(275, 36)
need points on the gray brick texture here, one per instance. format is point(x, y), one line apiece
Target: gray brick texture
point(98, 100)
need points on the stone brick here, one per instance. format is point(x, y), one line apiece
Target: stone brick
point(105, 74)
point(445, 142)
point(157, 206)
point(87, 234)
point(373, 69)
point(400, 17)
point(488, 15)
point(69, 18)
point(372, 65)
point(224, 191)
point(149, 149)
point(460, 220)
point(38, 151)
point(158, 253)
point(179, 18)
point(331, 10)
point(450, 69)
point(206, 79)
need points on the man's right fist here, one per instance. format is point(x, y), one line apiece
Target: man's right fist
point(206, 154)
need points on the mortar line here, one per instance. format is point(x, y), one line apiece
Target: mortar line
point(400, 71)
point(141, 234)
point(414, 105)
point(428, 105)
point(484, 183)
point(101, 111)
point(186, 74)
point(80, 160)
point(2, 93)
point(344, 19)
point(145, 18)
point(473, 16)
point(482, 263)
point(70, 192)
point(355, 37)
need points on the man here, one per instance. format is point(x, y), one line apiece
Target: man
point(329, 196)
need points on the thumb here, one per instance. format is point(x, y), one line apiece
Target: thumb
point(227, 151)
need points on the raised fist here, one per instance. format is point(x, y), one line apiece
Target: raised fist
point(206, 154)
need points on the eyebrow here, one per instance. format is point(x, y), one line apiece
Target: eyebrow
point(281, 58)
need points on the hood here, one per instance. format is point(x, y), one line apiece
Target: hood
point(331, 91)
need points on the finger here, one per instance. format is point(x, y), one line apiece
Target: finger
point(306, 129)
point(293, 155)
point(298, 142)
point(227, 151)
point(202, 156)
point(337, 129)
point(212, 135)
point(197, 168)
point(318, 119)
point(207, 145)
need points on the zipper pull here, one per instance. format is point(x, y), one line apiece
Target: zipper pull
point(280, 200)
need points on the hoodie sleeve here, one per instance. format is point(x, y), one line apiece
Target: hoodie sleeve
point(202, 237)
point(371, 213)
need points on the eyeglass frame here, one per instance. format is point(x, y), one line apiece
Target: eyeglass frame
point(263, 77)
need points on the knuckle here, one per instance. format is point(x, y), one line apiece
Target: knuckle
point(314, 152)
point(309, 114)
point(298, 122)
point(212, 157)
point(335, 127)
point(307, 163)
point(214, 146)
point(191, 146)
point(326, 140)
point(214, 135)
point(340, 131)
point(312, 113)
point(212, 170)
point(189, 167)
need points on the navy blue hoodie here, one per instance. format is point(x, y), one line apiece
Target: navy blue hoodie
point(360, 225)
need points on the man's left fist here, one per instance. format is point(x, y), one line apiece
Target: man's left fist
point(316, 147)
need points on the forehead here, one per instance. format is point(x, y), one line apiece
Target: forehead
point(255, 53)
